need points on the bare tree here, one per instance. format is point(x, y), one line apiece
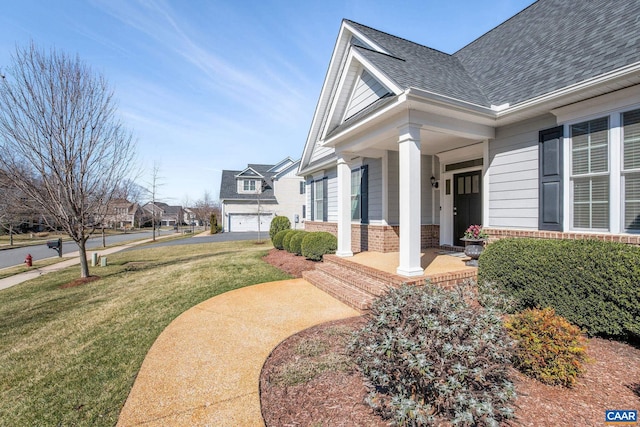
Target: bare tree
point(153, 190)
point(61, 142)
point(204, 207)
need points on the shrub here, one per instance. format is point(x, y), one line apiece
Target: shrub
point(278, 223)
point(429, 357)
point(278, 238)
point(286, 240)
point(317, 244)
point(591, 283)
point(549, 348)
point(295, 244)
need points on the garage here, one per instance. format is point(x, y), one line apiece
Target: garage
point(249, 222)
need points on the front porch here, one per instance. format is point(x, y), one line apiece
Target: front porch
point(359, 280)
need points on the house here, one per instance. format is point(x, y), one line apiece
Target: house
point(165, 215)
point(531, 130)
point(259, 193)
point(122, 213)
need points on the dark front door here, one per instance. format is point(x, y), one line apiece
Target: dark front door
point(467, 203)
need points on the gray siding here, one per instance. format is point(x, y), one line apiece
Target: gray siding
point(513, 175)
point(375, 188)
point(367, 91)
point(332, 195)
point(394, 186)
point(426, 199)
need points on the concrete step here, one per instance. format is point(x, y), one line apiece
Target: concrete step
point(350, 295)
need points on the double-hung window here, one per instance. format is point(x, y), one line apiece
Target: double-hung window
point(590, 174)
point(356, 195)
point(250, 185)
point(631, 170)
point(318, 200)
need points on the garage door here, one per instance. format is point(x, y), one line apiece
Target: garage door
point(249, 222)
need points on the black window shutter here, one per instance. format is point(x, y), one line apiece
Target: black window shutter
point(364, 195)
point(325, 207)
point(550, 179)
point(313, 200)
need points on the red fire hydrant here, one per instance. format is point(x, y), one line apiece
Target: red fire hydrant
point(28, 260)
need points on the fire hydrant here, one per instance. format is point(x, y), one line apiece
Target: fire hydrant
point(28, 260)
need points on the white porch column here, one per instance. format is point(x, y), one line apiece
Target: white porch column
point(409, 145)
point(344, 208)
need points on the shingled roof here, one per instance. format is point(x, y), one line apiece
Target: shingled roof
point(549, 45)
point(229, 188)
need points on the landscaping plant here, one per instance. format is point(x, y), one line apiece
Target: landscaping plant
point(430, 357)
point(278, 223)
point(278, 238)
point(295, 244)
point(317, 244)
point(591, 283)
point(549, 348)
point(286, 240)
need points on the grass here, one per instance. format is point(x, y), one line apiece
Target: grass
point(70, 356)
point(12, 271)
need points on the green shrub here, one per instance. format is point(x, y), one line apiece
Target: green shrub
point(591, 283)
point(549, 348)
point(278, 223)
point(278, 238)
point(286, 240)
point(430, 357)
point(295, 244)
point(317, 244)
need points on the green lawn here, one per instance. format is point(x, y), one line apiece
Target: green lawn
point(70, 356)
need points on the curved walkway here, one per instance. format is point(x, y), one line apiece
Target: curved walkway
point(204, 368)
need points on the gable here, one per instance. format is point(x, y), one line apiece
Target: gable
point(249, 173)
point(367, 91)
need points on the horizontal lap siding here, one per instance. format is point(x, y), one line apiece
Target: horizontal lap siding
point(367, 91)
point(375, 189)
point(513, 175)
point(332, 195)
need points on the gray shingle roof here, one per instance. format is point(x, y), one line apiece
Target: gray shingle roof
point(414, 65)
point(229, 189)
point(550, 45)
point(553, 44)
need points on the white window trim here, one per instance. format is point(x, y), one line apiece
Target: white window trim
point(616, 175)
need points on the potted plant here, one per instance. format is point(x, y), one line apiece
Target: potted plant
point(474, 238)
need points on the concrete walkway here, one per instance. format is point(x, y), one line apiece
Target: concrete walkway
point(70, 259)
point(204, 368)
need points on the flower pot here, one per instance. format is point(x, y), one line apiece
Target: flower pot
point(473, 248)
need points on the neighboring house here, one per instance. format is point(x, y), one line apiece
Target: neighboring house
point(122, 213)
point(189, 217)
point(165, 215)
point(270, 190)
point(532, 130)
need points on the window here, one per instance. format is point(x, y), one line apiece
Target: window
point(356, 195)
point(631, 170)
point(590, 174)
point(250, 185)
point(318, 200)
point(302, 187)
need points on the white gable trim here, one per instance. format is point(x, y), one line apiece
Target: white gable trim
point(370, 43)
point(257, 175)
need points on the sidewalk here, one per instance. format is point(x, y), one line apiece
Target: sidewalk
point(204, 368)
point(72, 258)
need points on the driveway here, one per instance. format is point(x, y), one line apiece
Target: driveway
point(208, 238)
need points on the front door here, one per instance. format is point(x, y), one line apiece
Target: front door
point(467, 203)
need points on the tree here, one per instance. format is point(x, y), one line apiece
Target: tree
point(62, 144)
point(204, 207)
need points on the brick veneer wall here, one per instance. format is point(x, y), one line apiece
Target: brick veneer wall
point(498, 233)
point(378, 238)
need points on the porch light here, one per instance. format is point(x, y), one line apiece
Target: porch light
point(434, 183)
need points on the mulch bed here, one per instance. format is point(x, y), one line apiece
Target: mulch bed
point(336, 398)
point(289, 263)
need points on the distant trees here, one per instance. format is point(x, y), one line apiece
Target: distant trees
point(204, 208)
point(61, 143)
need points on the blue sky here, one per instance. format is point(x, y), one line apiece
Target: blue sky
point(212, 85)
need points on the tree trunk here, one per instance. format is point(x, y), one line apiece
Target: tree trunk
point(10, 234)
point(84, 264)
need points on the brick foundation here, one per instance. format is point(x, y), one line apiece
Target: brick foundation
point(378, 238)
point(500, 233)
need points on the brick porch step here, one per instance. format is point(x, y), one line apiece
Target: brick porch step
point(348, 294)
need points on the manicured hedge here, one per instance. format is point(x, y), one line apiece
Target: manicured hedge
point(277, 239)
point(317, 244)
point(295, 244)
point(286, 241)
point(591, 283)
point(278, 223)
